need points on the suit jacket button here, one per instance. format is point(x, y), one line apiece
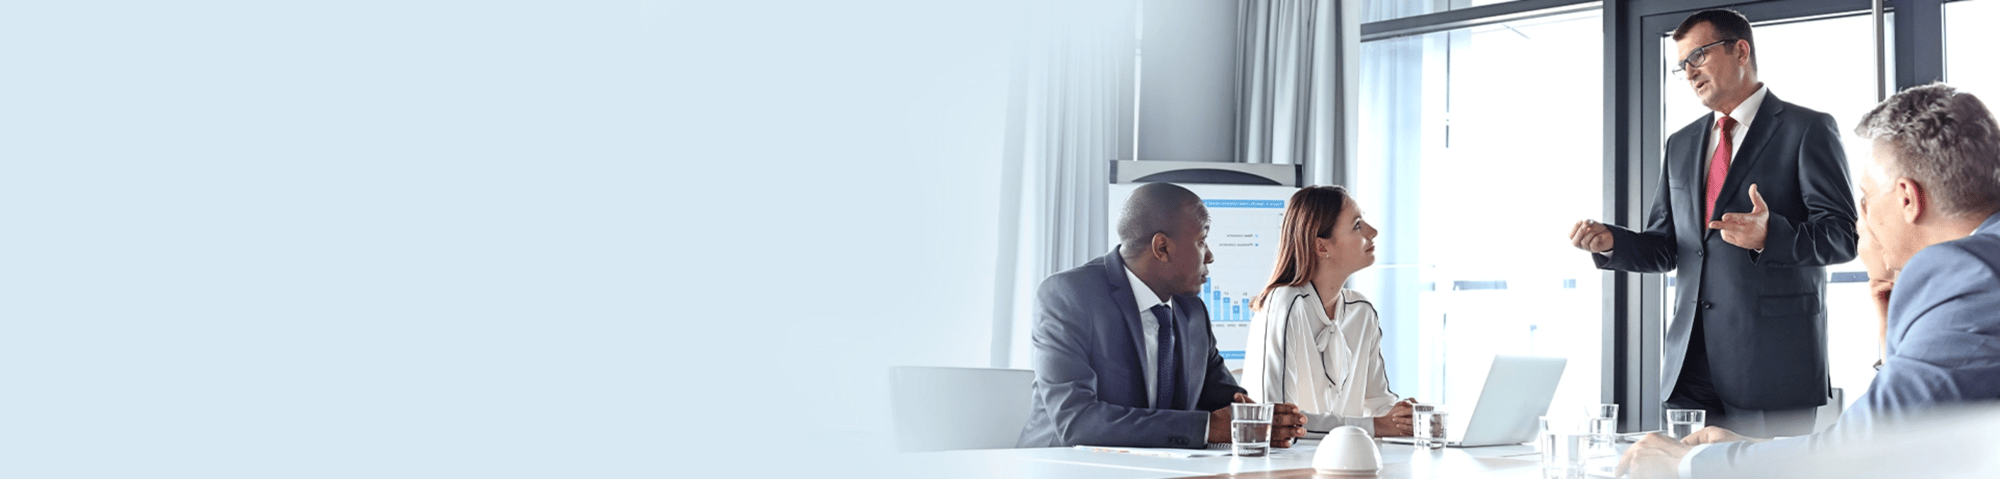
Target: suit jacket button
point(1700, 253)
point(1707, 305)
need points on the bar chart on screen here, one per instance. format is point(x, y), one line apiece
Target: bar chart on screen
point(1243, 234)
point(1232, 307)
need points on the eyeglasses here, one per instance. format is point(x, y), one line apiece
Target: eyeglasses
point(1697, 57)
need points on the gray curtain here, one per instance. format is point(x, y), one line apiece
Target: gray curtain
point(1297, 79)
point(1295, 84)
point(1071, 85)
point(1284, 71)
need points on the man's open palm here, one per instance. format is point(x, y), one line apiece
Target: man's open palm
point(1745, 230)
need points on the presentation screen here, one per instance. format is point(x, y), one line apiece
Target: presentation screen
point(1243, 234)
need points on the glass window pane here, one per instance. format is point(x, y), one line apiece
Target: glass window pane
point(1479, 148)
point(1814, 64)
point(1968, 37)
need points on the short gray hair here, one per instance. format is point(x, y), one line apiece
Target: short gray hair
point(1944, 139)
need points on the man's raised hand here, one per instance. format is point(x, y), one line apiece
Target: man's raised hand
point(1745, 230)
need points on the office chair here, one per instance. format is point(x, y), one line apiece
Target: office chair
point(942, 409)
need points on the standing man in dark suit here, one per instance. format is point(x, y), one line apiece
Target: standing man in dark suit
point(1930, 229)
point(1123, 355)
point(1753, 205)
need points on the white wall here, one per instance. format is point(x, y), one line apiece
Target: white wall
point(1187, 80)
point(475, 239)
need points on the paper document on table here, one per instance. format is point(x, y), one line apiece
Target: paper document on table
point(1159, 451)
point(1297, 448)
point(1212, 451)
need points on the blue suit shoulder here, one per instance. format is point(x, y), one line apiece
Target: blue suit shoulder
point(1971, 258)
point(1942, 330)
point(1956, 284)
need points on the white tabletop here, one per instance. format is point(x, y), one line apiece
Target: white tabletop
point(1399, 461)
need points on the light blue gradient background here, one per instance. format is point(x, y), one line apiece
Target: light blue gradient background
point(487, 239)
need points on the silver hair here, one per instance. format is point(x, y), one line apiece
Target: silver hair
point(1947, 141)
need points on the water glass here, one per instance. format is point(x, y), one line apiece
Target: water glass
point(1603, 428)
point(1563, 448)
point(1429, 425)
point(1682, 422)
point(1250, 429)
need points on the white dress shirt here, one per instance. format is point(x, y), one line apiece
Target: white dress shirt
point(1143, 297)
point(1743, 114)
point(1687, 461)
point(1145, 300)
point(1330, 367)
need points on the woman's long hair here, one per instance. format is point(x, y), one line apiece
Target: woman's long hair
point(1311, 213)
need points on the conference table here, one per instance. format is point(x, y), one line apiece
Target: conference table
point(1399, 461)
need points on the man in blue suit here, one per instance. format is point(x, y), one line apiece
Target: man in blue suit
point(1931, 241)
point(1123, 355)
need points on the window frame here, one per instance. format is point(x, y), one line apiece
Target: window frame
point(1632, 136)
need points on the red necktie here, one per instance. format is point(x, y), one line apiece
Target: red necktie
point(1718, 165)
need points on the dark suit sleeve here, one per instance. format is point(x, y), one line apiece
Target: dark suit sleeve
point(1068, 387)
point(1826, 236)
point(1649, 251)
point(1221, 388)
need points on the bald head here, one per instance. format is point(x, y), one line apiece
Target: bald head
point(1158, 208)
point(1163, 236)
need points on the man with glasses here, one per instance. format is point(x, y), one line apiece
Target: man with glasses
point(1930, 215)
point(1753, 204)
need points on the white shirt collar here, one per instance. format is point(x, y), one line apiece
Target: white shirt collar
point(1747, 111)
point(1317, 308)
point(1141, 294)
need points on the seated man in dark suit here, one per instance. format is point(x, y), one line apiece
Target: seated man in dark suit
point(1930, 222)
point(1123, 355)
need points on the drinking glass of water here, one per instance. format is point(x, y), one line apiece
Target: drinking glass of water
point(1250, 429)
point(1428, 425)
point(1603, 428)
point(1682, 422)
point(1563, 444)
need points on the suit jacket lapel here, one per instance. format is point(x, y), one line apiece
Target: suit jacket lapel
point(1697, 172)
point(1754, 142)
point(1183, 345)
point(1122, 295)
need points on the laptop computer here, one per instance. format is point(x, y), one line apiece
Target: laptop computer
point(1517, 390)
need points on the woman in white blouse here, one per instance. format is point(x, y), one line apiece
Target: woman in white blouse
point(1314, 343)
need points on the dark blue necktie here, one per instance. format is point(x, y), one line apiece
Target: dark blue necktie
point(1168, 365)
